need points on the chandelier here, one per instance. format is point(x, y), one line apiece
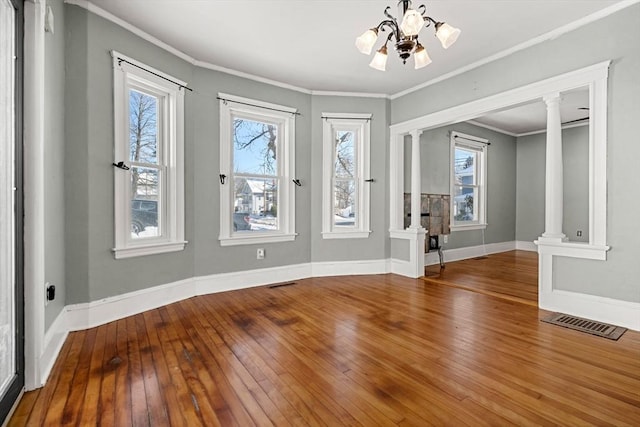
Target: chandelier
point(405, 35)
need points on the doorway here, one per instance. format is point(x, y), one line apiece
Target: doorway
point(11, 205)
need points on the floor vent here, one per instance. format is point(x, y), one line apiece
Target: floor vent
point(478, 258)
point(585, 325)
point(281, 285)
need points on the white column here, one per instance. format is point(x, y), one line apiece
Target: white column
point(34, 259)
point(553, 172)
point(416, 178)
point(416, 243)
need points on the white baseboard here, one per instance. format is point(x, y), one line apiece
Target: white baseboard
point(53, 341)
point(450, 255)
point(523, 245)
point(401, 267)
point(247, 279)
point(349, 268)
point(608, 310)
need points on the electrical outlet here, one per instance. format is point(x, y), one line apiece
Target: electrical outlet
point(579, 233)
point(445, 238)
point(49, 293)
point(260, 253)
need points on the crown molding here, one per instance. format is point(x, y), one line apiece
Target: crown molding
point(86, 4)
point(529, 43)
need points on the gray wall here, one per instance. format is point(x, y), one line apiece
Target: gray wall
point(501, 180)
point(54, 163)
point(376, 246)
point(93, 273)
point(530, 185)
point(616, 37)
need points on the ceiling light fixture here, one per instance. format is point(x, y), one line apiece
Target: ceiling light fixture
point(405, 35)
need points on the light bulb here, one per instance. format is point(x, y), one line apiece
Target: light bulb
point(446, 34)
point(379, 61)
point(421, 57)
point(412, 23)
point(365, 42)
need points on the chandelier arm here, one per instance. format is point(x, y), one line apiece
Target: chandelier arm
point(422, 9)
point(388, 15)
point(393, 27)
point(428, 21)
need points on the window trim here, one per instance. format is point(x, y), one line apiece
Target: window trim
point(231, 105)
point(171, 166)
point(332, 122)
point(480, 145)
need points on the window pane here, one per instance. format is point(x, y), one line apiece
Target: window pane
point(143, 127)
point(255, 147)
point(464, 206)
point(465, 166)
point(144, 203)
point(255, 204)
point(344, 164)
point(344, 211)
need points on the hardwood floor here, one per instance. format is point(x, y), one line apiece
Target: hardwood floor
point(510, 275)
point(357, 350)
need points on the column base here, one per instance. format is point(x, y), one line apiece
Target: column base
point(553, 238)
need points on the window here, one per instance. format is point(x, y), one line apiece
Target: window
point(345, 200)
point(149, 133)
point(468, 181)
point(256, 171)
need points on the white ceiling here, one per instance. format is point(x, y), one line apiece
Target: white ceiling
point(532, 116)
point(310, 43)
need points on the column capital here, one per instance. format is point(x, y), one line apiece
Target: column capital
point(550, 98)
point(415, 133)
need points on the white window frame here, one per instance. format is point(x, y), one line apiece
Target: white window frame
point(479, 145)
point(233, 106)
point(171, 157)
point(360, 124)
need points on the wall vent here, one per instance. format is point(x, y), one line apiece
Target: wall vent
point(585, 325)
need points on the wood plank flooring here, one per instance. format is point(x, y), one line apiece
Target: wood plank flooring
point(510, 275)
point(358, 350)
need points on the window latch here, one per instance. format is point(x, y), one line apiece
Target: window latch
point(297, 182)
point(222, 178)
point(370, 180)
point(121, 165)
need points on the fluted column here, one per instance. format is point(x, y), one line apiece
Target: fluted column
point(416, 180)
point(554, 197)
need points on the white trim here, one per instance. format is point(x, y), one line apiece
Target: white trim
point(608, 310)
point(470, 110)
point(523, 245)
point(231, 106)
point(349, 268)
point(479, 145)
point(360, 125)
point(595, 77)
point(53, 342)
point(602, 13)
point(255, 238)
point(563, 127)
point(349, 94)
point(248, 102)
point(401, 267)
point(34, 212)
point(251, 278)
point(450, 255)
point(572, 249)
point(540, 39)
point(170, 165)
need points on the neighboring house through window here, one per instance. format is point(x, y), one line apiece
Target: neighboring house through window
point(257, 158)
point(149, 140)
point(468, 181)
point(345, 200)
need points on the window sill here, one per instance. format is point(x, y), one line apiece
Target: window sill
point(253, 239)
point(468, 227)
point(148, 249)
point(346, 234)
